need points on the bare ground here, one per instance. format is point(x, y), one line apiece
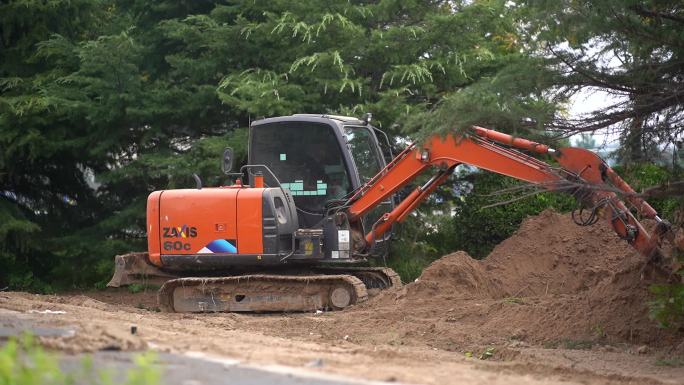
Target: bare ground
point(298, 339)
point(555, 303)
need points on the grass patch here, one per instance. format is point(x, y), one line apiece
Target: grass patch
point(23, 362)
point(569, 344)
point(485, 355)
point(599, 331)
point(135, 288)
point(515, 300)
point(408, 268)
point(672, 362)
point(578, 344)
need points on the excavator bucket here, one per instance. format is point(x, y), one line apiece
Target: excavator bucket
point(133, 268)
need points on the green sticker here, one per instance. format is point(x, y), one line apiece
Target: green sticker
point(283, 156)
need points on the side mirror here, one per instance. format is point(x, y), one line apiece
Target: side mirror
point(227, 161)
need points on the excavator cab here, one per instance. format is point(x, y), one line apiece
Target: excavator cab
point(319, 159)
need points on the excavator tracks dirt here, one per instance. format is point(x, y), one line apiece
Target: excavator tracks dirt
point(328, 288)
point(261, 293)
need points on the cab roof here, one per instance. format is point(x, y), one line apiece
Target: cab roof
point(311, 118)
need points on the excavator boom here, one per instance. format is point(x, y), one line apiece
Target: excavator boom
point(579, 172)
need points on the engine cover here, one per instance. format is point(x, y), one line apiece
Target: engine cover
point(215, 228)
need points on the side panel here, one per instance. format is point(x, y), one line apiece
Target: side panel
point(198, 221)
point(153, 244)
point(248, 220)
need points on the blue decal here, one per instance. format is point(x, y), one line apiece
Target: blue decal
point(221, 246)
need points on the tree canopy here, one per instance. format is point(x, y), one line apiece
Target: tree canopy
point(104, 101)
point(631, 50)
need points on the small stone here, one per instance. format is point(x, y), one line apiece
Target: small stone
point(519, 334)
point(518, 344)
point(680, 348)
point(346, 338)
point(317, 363)
point(643, 349)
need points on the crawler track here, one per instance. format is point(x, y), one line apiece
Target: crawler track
point(375, 278)
point(326, 288)
point(261, 293)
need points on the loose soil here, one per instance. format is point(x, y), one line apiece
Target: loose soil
point(555, 303)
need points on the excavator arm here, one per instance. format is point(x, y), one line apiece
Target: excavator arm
point(580, 172)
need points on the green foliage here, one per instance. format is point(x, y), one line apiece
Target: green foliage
point(646, 175)
point(569, 344)
point(668, 306)
point(410, 252)
point(578, 344)
point(487, 353)
point(509, 98)
point(136, 288)
point(673, 362)
point(104, 102)
point(514, 300)
point(144, 372)
point(24, 362)
point(628, 49)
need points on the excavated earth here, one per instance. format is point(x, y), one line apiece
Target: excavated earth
point(555, 303)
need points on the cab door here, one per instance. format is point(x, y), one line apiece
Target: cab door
point(368, 160)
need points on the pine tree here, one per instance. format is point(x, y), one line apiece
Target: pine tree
point(631, 50)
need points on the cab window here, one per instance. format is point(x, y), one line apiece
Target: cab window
point(307, 159)
point(363, 151)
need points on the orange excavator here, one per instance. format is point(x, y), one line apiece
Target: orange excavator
point(315, 202)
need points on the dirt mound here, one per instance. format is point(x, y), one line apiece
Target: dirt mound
point(552, 282)
point(550, 254)
point(457, 274)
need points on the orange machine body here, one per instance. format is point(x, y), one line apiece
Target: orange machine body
point(209, 222)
